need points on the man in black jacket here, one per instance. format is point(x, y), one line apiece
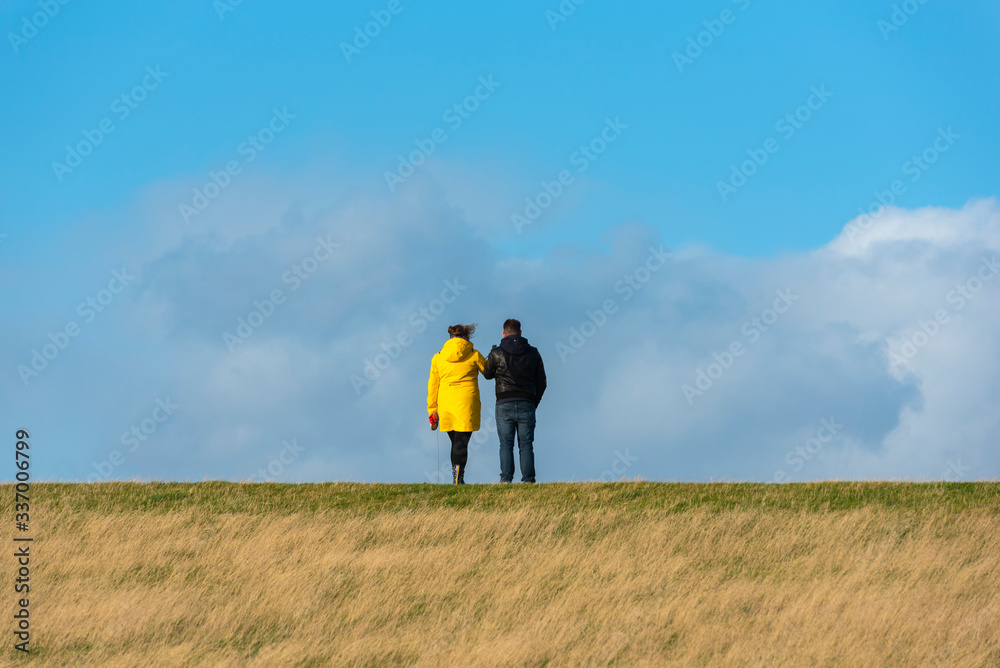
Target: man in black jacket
point(520, 377)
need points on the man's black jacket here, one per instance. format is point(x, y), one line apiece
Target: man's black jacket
point(518, 369)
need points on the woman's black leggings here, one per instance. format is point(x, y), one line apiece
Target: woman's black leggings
point(459, 447)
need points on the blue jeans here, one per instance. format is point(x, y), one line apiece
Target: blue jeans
point(516, 416)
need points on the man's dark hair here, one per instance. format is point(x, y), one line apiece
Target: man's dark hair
point(512, 326)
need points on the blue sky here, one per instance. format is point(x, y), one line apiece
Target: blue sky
point(555, 86)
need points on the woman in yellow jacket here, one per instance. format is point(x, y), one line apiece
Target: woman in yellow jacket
point(453, 394)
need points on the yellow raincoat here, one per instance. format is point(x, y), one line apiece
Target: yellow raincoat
point(453, 388)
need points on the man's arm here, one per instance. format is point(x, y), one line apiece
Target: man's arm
point(490, 370)
point(540, 382)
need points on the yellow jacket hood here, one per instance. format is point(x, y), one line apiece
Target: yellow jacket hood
point(456, 349)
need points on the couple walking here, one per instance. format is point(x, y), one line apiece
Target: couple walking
point(453, 396)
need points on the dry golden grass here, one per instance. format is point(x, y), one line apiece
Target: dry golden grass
point(557, 575)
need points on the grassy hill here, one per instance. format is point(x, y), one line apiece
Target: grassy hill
point(557, 574)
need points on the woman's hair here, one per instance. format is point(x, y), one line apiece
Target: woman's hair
point(463, 331)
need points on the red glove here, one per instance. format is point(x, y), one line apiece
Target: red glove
point(434, 422)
